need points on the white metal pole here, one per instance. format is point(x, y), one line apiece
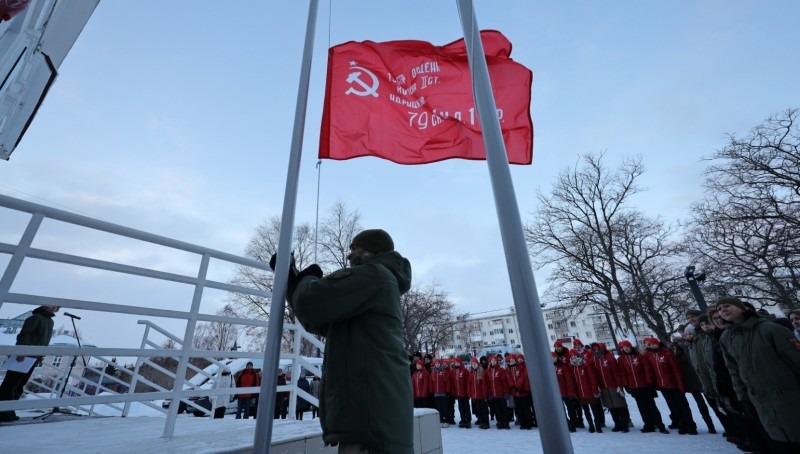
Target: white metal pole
point(272, 352)
point(549, 408)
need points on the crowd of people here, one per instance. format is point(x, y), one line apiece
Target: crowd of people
point(742, 365)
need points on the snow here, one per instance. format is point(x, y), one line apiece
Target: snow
point(142, 430)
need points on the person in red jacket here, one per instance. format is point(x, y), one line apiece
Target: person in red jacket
point(497, 390)
point(520, 391)
point(566, 386)
point(459, 391)
point(248, 378)
point(611, 392)
point(637, 378)
point(440, 388)
point(668, 379)
point(421, 384)
point(477, 384)
point(447, 364)
point(588, 390)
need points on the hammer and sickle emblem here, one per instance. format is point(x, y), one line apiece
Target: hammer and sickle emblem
point(368, 89)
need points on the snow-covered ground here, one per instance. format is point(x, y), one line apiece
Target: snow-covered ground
point(141, 432)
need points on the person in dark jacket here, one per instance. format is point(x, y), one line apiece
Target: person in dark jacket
point(683, 351)
point(366, 401)
point(36, 330)
point(765, 370)
point(302, 404)
point(611, 392)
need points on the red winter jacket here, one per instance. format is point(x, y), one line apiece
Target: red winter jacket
point(440, 381)
point(477, 387)
point(635, 370)
point(566, 380)
point(421, 382)
point(666, 370)
point(518, 380)
point(247, 379)
point(608, 373)
point(498, 382)
point(586, 385)
point(458, 385)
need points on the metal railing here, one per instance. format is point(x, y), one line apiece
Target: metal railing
point(24, 251)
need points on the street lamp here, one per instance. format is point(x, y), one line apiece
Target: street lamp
point(695, 288)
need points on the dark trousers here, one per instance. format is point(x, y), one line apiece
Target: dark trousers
point(594, 410)
point(501, 412)
point(572, 405)
point(12, 388)
point(524, 413)
point(441, 407)
point(451, 409)
point(420, 402)
point(464, 411)
point(243, 405)
point(646, 402)
point(481, 409)
point(219, 412)
point(679, 409)
point(701, 404)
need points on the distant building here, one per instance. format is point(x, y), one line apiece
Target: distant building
point(500, 333)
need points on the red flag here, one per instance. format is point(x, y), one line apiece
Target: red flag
point(411, 102)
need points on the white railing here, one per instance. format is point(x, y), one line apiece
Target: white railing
point(24, 250)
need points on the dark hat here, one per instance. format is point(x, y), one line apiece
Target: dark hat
point(694, 312)
point(703, 319)
point(374, 240)
point(681, 327)
point(733, 301)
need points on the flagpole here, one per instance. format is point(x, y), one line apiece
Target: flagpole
point(266, 402)
point(546, 396)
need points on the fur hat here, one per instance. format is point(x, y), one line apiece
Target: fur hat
point(474, 359)
point(693, 312)
point(625, 343)
point(374, 240)
point(690, 330)
point(557, 344)
point(577, 343)
point(419, 362)
point(733, 301)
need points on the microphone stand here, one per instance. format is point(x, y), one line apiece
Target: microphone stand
point(66, 379)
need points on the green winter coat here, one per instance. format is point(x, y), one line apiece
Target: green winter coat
point(366, 394)
point(701, 355)
point(765, 370)
point(37, 329)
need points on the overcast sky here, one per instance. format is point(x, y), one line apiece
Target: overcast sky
point(176, 119)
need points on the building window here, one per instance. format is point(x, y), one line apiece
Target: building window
point(552, 337)
point(512, 342)
point(57, 361)
point(588, 334)
point(572, 324)
point(549, 326)
point(510, 331)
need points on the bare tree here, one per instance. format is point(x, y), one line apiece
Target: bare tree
point(600, 250)
point(746, 231)
point(217, 336)
point(429, 318)
point(336, 234)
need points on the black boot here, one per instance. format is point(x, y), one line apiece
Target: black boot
point(710, 424)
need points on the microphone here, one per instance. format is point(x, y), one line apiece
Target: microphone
point(70, 315)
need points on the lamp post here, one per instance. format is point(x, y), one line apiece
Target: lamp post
point(695, 288)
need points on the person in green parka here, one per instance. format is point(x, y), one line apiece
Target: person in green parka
point(765, 369)
point(36, 330)
point(366, 400)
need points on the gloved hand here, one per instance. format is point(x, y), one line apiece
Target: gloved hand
point(311, 270)
point(292, 278)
